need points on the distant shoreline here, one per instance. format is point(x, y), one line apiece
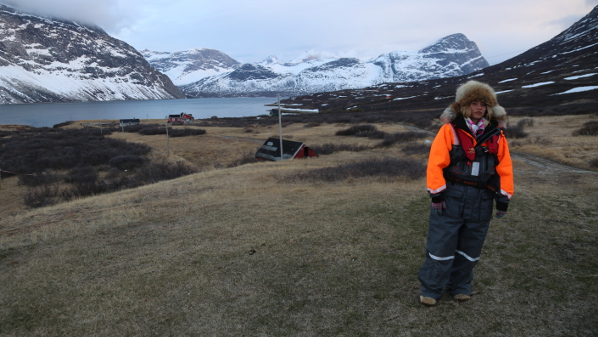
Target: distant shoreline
point(48, 115)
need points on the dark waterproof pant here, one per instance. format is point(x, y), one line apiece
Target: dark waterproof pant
point(455, 241)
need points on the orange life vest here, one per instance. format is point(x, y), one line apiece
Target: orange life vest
point(491, 162)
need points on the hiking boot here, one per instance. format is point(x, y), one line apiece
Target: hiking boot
point(462, 297)
point(427, 301)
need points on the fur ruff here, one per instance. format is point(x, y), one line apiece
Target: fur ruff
point(475, 91)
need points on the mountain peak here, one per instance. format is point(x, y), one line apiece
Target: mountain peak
point(270, 60)
point(451, 43)
point(312, 56)
point(459, 50)
point(191, 65)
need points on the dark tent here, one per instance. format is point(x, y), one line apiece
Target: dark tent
point(291, 150)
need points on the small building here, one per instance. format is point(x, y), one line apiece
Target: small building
point(129, 122)
point(182, 118)
point(270, 150)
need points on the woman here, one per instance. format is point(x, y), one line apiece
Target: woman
point(469, 167)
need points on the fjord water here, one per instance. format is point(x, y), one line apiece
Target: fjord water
point(48, 114)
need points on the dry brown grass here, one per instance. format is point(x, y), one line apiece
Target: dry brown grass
point(221, 146)
point(238, 251)
point(551, 138)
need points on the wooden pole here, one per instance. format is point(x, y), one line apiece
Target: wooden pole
point(280, 127)
point(167, 140)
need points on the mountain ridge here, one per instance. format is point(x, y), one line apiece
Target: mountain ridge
point(451, 55)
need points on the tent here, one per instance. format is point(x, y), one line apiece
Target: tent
point(270, 150)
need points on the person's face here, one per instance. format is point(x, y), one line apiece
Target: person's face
point(478, 110)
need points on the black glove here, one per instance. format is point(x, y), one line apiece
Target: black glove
point(438, 207)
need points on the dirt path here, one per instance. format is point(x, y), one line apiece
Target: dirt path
point(545, 166)
point(246, 139)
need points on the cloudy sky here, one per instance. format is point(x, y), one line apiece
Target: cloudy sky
point(250, 31)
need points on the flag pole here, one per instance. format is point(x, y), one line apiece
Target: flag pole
point(280, 127)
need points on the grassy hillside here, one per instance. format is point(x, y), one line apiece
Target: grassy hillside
point(255, 250)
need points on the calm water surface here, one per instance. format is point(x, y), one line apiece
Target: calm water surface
point(48, 114)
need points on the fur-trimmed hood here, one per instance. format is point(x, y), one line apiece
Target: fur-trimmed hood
point(475, 91)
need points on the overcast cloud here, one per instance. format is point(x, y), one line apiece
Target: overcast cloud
point(250, 31)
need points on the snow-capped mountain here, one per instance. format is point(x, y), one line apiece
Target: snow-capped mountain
point(189, 66)
point(50, 60)
point(453, 55)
